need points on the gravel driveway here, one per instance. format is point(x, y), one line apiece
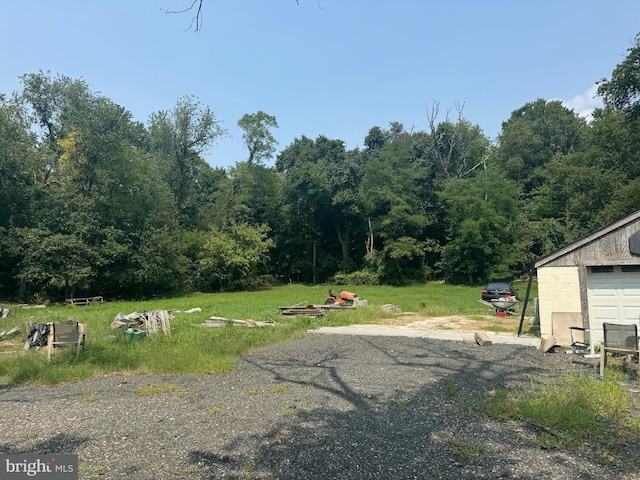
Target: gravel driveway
point(322, 407)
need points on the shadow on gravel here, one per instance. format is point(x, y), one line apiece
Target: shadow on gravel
point(375, 408)
point(60, 443)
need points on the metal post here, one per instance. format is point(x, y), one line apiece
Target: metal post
point(526, 301)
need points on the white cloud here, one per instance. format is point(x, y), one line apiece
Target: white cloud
point(585, 103)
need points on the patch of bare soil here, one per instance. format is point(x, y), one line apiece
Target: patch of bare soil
point(494, 323)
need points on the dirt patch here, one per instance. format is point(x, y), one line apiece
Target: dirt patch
point(457, 322)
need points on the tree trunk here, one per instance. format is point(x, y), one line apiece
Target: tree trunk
point(314, 265)
point(369, 241)
point(344, 241)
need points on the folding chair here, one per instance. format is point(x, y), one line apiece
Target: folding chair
point(580, 340)
point(618, 339)
point(66, 334)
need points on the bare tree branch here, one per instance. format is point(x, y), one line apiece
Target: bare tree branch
point(449, 144)
point(197, 19)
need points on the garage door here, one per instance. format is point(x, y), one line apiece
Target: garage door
point(613, 296)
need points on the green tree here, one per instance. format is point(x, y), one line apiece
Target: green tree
point(231, 260)
point(308, 208)
point(622, 91)
point(257, 136)
point(397, 194)
point(177, 139)
point(533, 135)
point(321, 207)
point(251, 193)
point(20, 165)
point(402, 261)
point(157, 265)
point(575, 191)
point(54, 102)
point(64, 263)
point(97, 201)
point(624, 202)
point(375, 140)
point(392, 193)
point(479, 211)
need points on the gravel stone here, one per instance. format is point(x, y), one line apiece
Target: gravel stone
point(321, 407)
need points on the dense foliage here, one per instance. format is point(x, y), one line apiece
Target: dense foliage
point(92, 202)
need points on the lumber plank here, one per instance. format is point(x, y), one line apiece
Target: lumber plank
point(482, 339)
point(548, 344)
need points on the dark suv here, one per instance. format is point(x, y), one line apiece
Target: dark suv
point(495, 290)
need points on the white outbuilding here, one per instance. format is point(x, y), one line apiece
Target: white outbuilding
point(593, 280)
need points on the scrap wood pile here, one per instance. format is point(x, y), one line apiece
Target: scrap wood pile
point(148, 322)
point(343, 301)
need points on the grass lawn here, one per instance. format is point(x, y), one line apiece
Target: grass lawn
point(192, 348)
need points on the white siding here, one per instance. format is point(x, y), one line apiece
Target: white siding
point(558, 291)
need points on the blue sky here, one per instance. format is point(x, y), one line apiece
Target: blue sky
point(324, 67)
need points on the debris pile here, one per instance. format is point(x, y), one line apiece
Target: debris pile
point(137, 325)
point(345, 300)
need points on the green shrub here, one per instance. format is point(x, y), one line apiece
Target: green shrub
point(361, 277)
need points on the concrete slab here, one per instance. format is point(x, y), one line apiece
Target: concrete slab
point(453, 335)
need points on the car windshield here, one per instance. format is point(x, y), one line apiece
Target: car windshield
point(498, 286)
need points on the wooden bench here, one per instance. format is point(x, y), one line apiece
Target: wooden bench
point(83, 301)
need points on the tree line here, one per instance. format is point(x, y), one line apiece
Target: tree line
point(95, 203)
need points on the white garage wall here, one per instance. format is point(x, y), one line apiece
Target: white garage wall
point(558, 291)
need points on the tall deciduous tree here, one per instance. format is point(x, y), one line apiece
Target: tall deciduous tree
point(575, 191)
point(250, 194)
point(457, 148)
point(54, 101)
point(20, 165)
point(321, 181)
point(533, 135)
point(398, 200)
point(308, 198)
point(257, 136)
point(178, 138)
point(622, 91)
point(392, 192)
point(97, 200)
point(479, 212)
